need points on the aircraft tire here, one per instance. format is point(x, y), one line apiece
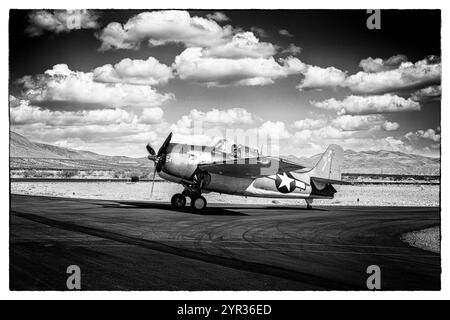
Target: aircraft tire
point(198, 203)
point(178, 201)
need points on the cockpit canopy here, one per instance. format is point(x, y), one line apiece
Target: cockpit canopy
point(236, 150)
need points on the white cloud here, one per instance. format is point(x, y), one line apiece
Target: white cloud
point(63, 86)
point(428, 93)
point(423, 141)
point(380, 76)
point(274, 129)
point(191, 64)
point(429, 134)
point(161, 27)
point(227, 117)
point(364, 122)
point(320, 78)
point(242, 45)
point(285, 33)
point(60, 21)
point(349, 122)
point(390, 126)
point(25, 113)
point(368, 104)
point(151, 115)
point(218, 16)
point(307, 124)
point(408, 75)
point(376, 65)
point(292, 49)
point(139, 72)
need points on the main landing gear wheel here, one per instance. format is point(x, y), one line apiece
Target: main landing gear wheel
point(198, 203)
point(309, 203)
point(178, 201)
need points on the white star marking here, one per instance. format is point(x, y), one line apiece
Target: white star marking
point(285, 181)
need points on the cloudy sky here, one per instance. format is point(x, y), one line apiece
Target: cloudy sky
point(110, 81)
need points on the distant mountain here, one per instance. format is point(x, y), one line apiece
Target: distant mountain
point(381, 161)
point(27, 154)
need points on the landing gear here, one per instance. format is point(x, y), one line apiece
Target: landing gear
point(193, 191)
point(309, 203)
point(178, 201)
point(198, 203)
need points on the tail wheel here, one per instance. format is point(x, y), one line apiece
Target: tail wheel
point(178, 201)
point(198, 203)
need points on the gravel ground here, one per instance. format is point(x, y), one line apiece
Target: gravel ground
point(368, 195)
point(427, 239)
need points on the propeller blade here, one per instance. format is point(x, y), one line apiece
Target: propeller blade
point(153, 183)
point(150, 150)
point(165, 145)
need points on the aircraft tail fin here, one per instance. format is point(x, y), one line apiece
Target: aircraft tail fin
point(329, 165)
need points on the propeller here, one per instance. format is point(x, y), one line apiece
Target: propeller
point(158, 158)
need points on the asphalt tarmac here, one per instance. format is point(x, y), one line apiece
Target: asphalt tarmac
point(126, 245)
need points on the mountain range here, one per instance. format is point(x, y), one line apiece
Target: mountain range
point(26, 154)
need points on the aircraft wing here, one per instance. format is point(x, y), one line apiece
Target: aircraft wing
point(251, 167)
point(330, 181)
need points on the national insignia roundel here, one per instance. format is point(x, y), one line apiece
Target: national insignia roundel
point(284, 182)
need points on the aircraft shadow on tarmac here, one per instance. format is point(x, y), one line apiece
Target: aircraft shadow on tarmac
point(296, 208)
point(209, 211)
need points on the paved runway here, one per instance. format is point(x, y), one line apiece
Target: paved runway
point(125, 245)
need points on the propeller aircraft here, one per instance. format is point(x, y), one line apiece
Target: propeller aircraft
point(241, 170)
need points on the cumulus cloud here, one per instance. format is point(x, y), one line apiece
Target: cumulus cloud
point(307, 124)
point(151, 115)
point(64, 87)
point(310, 142)
point(191, 64)
point(242, 45)
point(368, 104)
point(423, 141)
point(364, 122)
point(60, 21)
point(429, 134)
point(370, 123)
point(321, 78)
point(379, 76)
point(139, 72)
point(390, 126)
point(107, 131)
point(348, 122)
point(27, 114)
point(218, 16)
point(274, 130)
point(407, 75)
point(161, 27)
point(24, 113)
point(376, 65)
point(285, 33)
point(233, 116)
point(428, 93)
point(292, 49)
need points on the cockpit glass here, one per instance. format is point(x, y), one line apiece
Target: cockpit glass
point(237, 151)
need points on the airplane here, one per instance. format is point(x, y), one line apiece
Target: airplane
point(241, 170)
